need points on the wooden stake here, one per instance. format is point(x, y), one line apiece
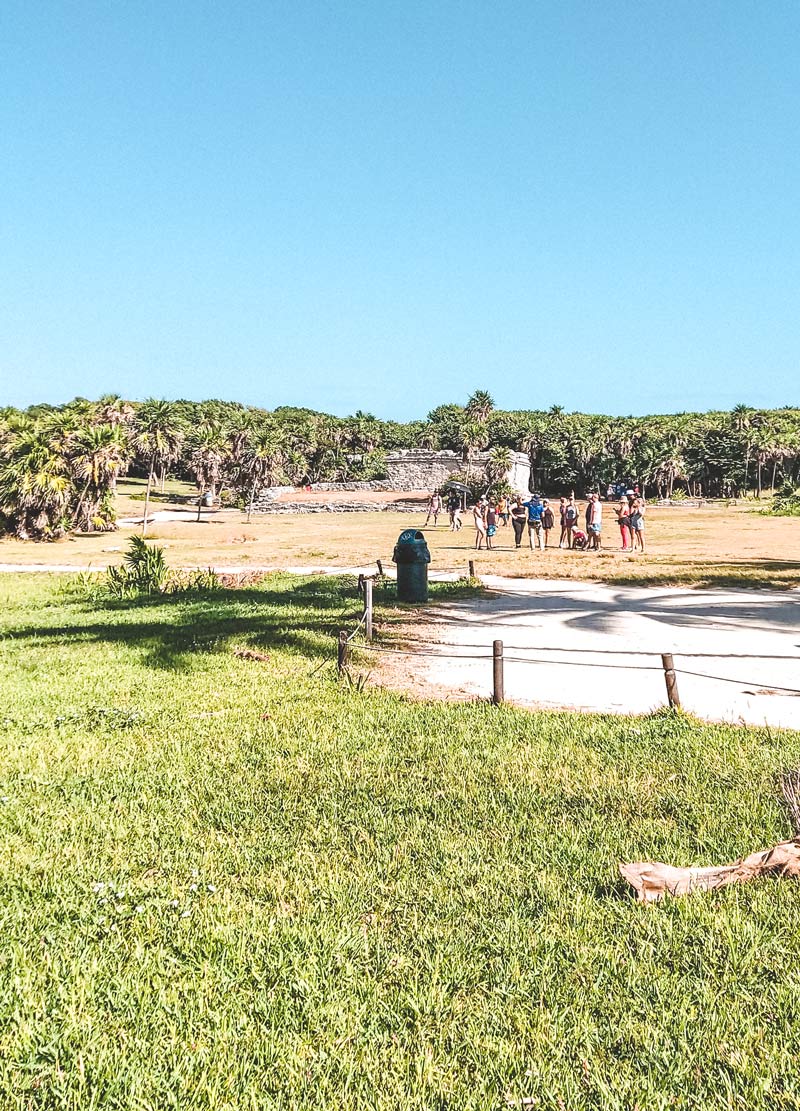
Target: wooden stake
point(344, 651)
point(368, 610)
point(498, 692)
point(671, 680)
point(380, 568)
point(472, 568)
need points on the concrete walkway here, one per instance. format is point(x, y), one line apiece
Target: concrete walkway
point(597, 647)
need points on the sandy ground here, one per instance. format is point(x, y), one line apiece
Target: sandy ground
point(719, 546)
point(597, 647)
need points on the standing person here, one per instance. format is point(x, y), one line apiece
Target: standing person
point(562, 509)
point(595, 522)
point(570, 519)
point(454, 510)
point(548, 520)
point(637, 523)
point(519, 516)
point(491, 524)
point(502, 510)
point(623, 511)
point(534, 507)
point(434, 508)
point(480, 524)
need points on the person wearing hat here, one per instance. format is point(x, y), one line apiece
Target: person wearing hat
point(535, 509)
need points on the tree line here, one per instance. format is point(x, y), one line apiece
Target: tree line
point(59, 464)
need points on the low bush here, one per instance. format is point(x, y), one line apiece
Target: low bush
point(785, 503)
point(145, 571)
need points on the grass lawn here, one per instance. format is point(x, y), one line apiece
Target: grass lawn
point(238, 884)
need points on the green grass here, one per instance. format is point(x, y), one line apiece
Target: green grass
point(320, 897)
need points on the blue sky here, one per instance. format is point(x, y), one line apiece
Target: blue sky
point(385, 205)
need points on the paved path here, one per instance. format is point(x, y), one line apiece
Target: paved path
point(584, 639)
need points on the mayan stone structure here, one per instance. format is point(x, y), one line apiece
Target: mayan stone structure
point(414, 470)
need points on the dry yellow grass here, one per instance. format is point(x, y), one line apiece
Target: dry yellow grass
point(713, 545)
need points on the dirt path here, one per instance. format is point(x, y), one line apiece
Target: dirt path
point(597, 647)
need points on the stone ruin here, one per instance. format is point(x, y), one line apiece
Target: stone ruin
point(410, 470)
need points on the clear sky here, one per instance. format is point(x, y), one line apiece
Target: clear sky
point(385, 204)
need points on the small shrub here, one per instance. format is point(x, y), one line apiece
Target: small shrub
point(786, 503)
point(144, 571)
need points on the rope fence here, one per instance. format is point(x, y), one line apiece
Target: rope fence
point(497, 653)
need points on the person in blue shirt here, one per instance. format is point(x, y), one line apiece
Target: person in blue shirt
point(535, 510)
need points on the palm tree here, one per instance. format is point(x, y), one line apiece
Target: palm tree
point(209, 453)
point(262, 463)
point(499, 464)
point(480, 406)
point(158, 437)
point(471, 437)
point(100, 453)
point(35, 483)
point(742, 421)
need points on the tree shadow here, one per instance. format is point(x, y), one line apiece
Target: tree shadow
point(168, 631)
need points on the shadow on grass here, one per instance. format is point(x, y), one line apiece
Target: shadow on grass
point(168, 630)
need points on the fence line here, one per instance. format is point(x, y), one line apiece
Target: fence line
point(497, 653)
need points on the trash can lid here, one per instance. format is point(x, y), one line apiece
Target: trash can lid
point(410, 536)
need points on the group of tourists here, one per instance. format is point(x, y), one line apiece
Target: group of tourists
point(539, 517)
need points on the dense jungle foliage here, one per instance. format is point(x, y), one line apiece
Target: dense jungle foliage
point(59, 464)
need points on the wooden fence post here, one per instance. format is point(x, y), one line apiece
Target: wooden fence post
point(671, 680)
point(472, 568)
point(380, 567)
point(368, 610)
point(498, 691)
point(344, 651)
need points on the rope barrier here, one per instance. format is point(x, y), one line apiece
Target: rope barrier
point(738, 682)
point(609, 651)
point(568, 663)
point(409, 652)
point(667, 666)
point(358, 626)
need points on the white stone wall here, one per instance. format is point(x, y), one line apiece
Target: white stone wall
point(420, 469)
point(416, 469)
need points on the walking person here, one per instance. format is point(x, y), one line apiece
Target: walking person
point(637, 523)
point(570, 519)
point(519, 516)
point(548, 520)
point(434, 508)
point(595, 522)
point(562, 509)
point(623, 511)
point(535, 509)
point(478, 516)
